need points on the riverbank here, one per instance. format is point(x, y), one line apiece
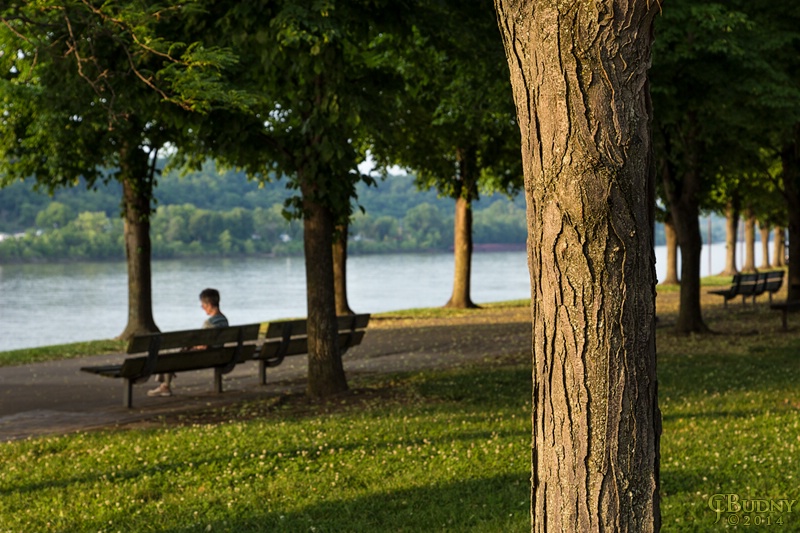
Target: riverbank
point(437, 422)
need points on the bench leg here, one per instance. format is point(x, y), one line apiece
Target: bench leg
point(783, 318)
point(127, 393)
point(262, 373)
point(217, 381)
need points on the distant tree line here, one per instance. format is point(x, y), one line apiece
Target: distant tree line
point(208, 213)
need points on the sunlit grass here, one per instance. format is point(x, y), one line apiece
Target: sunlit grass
point(61, 351)
point(444, 451)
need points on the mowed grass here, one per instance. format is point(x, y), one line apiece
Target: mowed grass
point(444, 451)
point(430, 451)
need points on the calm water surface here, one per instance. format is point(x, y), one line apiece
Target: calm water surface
point(55, 304)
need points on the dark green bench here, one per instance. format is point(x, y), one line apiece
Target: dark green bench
point(773, 281)
point(752, 286)
point(285, 338)
point(176, 351)
point(742, 284)
point(786, 308)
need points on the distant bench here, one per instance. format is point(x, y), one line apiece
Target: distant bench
point(752, 285)
point(285, 338)
point(789, 306)
point(223, 349)
point(172, 352)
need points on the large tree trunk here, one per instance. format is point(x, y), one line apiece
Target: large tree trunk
point(731, 231)
point(137, 193)
point(672, 253)
point(584, 113)
point(466, 192)
point(779, 248)
point(749, 242)
point(325, 370)
point(764, 230)
point(340, 270)
point(790, 159)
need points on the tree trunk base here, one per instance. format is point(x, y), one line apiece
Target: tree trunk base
point(460, 305)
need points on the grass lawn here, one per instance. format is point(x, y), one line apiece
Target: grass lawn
point(428, 451)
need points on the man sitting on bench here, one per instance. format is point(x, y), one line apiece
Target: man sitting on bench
point(209, 301)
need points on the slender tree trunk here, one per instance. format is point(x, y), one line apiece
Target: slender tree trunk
point(764, 230)
point(682, 195)
point(326, 375)
point(340, 270)
point(790, 159)
point(690, 315)
point(672, 253)
point(137, 193)
point(731, 231)
point(462, 234)
point(584, 113)
point(749, 242)
point(779, 248)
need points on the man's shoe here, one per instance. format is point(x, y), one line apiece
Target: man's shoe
point(161, 390)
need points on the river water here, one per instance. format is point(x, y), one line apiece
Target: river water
point(60, 303)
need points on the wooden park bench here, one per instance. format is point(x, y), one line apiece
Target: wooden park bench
point(773, 281)
point(789, 306)
point(290, 337)
point(177, 351)
point(752, 286)
point(736, 287)
point(786, 308)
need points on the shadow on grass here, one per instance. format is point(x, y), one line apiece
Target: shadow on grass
point(756, 369)
point(498, 503)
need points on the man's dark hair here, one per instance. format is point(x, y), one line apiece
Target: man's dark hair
point(210, 296)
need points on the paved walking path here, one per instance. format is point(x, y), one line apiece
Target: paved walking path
point(56, 397)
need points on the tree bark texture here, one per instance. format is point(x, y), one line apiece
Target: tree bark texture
point(672, 254)
point(731, 233)
point(326, 375)
point(340, 270)
point(764, 230)
point(790, 160)
point(579, 76)
point(462, 231)
point(137, 193)
point(749, 242)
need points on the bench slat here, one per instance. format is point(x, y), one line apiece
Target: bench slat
point(132, 367)
point(272, 348)
point(196, 337)
point(299, 327)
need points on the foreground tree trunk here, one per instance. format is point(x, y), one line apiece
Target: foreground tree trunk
point(731, 231)
point(749, 242)
point(790, 160)
point(466, 191)
point(325, 370)
point(137, 192)
point(764, 230)
point(340, 270)
point(579, 78)
point(779, 248)
point(672, 253)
